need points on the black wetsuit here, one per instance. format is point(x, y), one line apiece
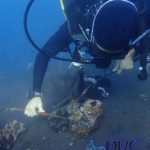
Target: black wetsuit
point(60, 40)
point(56, 43)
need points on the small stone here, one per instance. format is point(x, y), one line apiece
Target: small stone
point(44, 138)
point(71, 144)
point(115, 110)
point(142, 96)
point(146, 99)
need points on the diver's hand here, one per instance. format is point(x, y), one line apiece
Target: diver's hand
point(34, 107)
point(126, 63)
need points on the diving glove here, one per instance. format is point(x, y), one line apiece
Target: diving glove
point(34, 107)
point(126, 63)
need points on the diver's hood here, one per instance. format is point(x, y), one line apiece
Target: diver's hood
point(114, 25)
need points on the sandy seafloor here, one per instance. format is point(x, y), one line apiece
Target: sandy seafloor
point(126, 114)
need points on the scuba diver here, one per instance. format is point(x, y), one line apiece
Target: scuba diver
point(107, 28)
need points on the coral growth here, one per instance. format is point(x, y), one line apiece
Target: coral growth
point(9, 134)
point(76, 117)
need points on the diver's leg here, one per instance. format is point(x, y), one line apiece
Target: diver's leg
point(54, 45)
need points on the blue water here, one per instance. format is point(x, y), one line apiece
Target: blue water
point(15, 50)
point(126, 111)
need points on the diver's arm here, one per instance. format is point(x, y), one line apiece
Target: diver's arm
point(143, 60)
point(39, 71)
point(142, 49)
point(53, 46)
point(143, 63)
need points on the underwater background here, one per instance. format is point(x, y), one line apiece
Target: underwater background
point(45, 17)
point(126, 112)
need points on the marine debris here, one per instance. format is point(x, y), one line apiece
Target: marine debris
point(78, 118)
point(10, 133)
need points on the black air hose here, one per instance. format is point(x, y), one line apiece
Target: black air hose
point(26, 13)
